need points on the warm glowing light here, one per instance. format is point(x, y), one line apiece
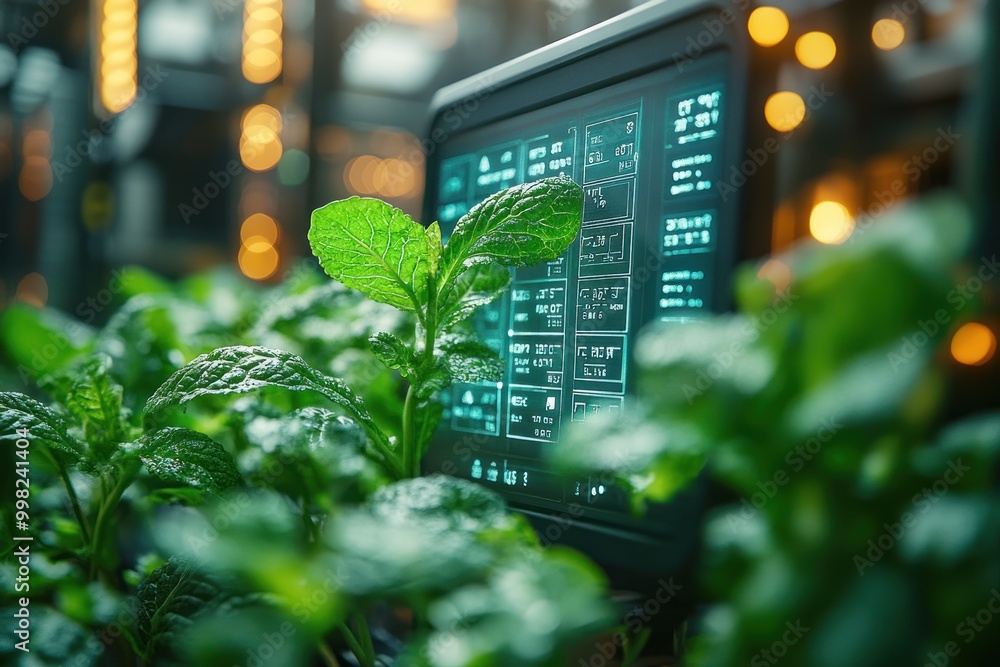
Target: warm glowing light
point(259, 227)
point(33, 290)
point(888, 34)
point(260, 151)
point(36, 178)
point(815, 50)
point(260, 140)
point(258, 261)
point(831, 223)
point(974, 344)
point(262, 42)
point(263, 115)
point(768, 25)
point(391, 177)
point(37, 143)
point(785, 111)
point(356, 171)
point(413, 11)
point(117, 62)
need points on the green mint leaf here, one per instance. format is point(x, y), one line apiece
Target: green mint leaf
point(278, 312)
point(468, 359)
point(393, 353)
point(168, 601)
point(373, 247)
point(493, 625)
point(473, 369)
point(520, 226)
point(479, 286)
point(18, 412)
point(310, 453)
point(187, 457)
point(417, 538)
point(432, 381)
point(439, 501)
point(95, 400)
point(242, 369)
point(466, 345)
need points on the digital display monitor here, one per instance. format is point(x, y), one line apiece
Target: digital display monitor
point(649, 129)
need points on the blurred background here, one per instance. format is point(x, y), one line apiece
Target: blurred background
point(192, 139)
point(184, 134)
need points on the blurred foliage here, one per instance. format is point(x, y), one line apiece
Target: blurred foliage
point(867, 533)
point(191, 504)
point(267, 538)
point(158, 327)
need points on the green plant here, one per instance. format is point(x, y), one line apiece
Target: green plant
point(822, 406)
point(253, 467)
point(372, 247)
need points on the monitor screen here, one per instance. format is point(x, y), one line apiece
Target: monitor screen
point(650, 146)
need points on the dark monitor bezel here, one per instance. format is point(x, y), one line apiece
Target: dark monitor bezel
point(647, 39)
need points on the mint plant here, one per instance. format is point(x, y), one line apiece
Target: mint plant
point(280, 475)
point(372, 247)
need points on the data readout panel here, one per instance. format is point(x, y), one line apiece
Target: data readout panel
point(648, 153)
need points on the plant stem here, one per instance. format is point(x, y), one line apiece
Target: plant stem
point(364, 654)
point(411, 455)
point(81, 518)
point(365, 635)
point(410, 461)
point(307, 521)
point(108, 503)
point(329, 659)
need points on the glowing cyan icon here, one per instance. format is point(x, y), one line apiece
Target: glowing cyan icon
point(468, 398)
point(484, 165)
point(477, 469)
